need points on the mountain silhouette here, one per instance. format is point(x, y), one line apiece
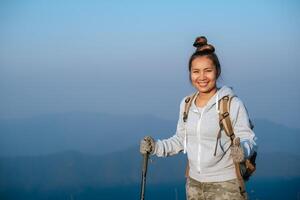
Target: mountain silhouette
point(74, 169)
point(100, 134)
point(94, 155)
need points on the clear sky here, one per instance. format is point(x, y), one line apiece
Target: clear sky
point(130, 57)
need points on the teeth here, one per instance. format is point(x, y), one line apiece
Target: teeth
point(203, 84)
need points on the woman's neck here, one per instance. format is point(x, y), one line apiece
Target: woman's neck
point(203, 98)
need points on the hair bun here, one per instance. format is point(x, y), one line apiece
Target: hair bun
point(200, 41)
point(202, 46)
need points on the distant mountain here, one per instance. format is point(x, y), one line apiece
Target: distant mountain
point(75, 175)
point(273, 137)
point(75, 170)
point(102, 133)
point(86, 132)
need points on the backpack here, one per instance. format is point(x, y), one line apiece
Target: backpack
point(243, 169)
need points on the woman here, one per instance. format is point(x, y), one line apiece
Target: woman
point(212, 172)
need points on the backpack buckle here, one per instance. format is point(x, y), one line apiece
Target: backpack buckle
point(185, 116)
point(225, 114)
point(187, 99)
point(226, 98)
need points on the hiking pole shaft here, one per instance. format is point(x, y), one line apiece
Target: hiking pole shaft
point(144, 172)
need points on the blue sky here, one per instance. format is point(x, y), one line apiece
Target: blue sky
point(131, 57)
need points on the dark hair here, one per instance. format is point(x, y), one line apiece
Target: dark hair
point(204, 49)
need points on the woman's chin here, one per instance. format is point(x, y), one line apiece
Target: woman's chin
point(204, 89)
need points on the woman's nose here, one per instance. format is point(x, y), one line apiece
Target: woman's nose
point(201, 76)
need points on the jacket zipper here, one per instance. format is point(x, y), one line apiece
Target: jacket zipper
point(198, 132)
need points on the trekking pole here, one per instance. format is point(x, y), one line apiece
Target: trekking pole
point(144, 172)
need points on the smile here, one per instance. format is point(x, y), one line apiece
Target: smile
point(202, 84)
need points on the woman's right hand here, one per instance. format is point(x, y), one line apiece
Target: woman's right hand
point(147, 145)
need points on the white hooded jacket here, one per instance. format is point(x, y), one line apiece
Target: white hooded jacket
point(199, 134)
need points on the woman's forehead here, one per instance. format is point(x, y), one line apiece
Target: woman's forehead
point(202, 62)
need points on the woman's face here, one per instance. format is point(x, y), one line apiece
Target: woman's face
point(203, 74)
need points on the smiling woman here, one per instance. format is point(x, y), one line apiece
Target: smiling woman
point(212, 171)
point(204, 70)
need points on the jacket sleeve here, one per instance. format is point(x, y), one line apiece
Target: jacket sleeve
point(242, 127)
point(174, 144)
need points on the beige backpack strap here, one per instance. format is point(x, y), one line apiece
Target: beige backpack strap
point(225, 123)
point(224, 118)
point(188, 103)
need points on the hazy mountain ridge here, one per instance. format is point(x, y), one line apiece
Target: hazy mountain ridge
point(100, 135)
point(74, 169)
point(103, 133)
point(85, 132)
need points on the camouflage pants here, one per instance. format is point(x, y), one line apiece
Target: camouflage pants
point(227, 190)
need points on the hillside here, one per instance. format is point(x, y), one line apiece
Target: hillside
point(100, 134)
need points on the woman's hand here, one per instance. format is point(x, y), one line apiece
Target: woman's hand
point(237, 152)
point(147, 145)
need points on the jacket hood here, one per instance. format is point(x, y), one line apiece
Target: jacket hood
point(223, 91)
